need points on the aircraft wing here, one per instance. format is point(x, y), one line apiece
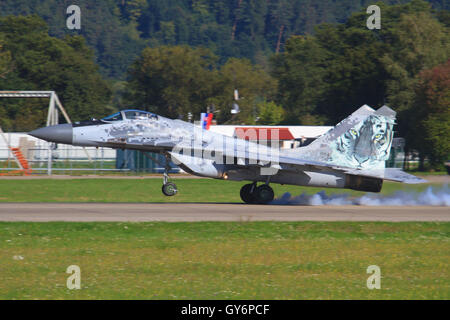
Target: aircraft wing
point(291, 162)
point(392, 174)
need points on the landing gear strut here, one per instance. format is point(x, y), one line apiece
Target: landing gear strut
point(169, 188)
point(263, 194)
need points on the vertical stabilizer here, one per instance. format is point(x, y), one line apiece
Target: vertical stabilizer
point(363, 140)
point(356, 117)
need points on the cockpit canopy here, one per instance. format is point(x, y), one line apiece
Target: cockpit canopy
point(130, 114)
point(114, 117)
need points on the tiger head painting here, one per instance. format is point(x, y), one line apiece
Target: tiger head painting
point(366, 145)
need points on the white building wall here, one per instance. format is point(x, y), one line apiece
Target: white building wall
point(297, 131)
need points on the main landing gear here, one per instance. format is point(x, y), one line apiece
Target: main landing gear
point(250, 193)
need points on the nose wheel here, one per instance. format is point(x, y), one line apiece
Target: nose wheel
point(252, 194)
point(169, 189)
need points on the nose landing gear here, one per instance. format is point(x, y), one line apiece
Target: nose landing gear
point(168, 188)
point(252, 194)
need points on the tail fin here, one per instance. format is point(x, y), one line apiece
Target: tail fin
point(356, 117)
point(363, 140)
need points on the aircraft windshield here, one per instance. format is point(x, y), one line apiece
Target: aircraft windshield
point(137, 114)
point(114, 117)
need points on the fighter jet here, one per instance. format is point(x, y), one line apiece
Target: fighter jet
point(351, 155)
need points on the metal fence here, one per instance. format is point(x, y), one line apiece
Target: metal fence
point(63, 159)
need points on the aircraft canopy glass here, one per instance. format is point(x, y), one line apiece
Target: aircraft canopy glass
point(114, 117)
point(138, 114)
point(130, 114)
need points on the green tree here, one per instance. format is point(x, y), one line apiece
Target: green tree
point(432, 115)
point(301, 75)
point(253, 84)
point(168, 32)
point(419, 42)
point(115, 41)
point(172, 80)
point(42, 62)
point(5, 59)
point(118, 30)
point(323, 78)
point(270, 113)
point(133, 9)
point(280, 15)
point(175, 80)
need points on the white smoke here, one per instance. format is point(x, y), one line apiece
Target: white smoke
point(429, 197)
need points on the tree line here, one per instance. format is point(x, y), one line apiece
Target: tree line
point(318, 79)
point(118, 30)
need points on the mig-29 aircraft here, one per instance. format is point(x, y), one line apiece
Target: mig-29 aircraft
point(350, 155)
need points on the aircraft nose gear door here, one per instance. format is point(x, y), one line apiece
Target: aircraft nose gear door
point(169, 188)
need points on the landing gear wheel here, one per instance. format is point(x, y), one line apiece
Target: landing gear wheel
point(264, 194)
point(246, 193)
point(169, 189)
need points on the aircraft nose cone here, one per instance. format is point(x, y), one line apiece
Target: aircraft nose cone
point(61, 133)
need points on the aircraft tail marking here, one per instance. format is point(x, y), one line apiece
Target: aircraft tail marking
point(362, 141)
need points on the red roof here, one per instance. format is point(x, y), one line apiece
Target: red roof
point(263, 133)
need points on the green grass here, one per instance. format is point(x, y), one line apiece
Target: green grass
point(149, 190)
point(212, 260)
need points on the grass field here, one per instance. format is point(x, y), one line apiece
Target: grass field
point(149, 190)
point(213, 260)
point(248, 260)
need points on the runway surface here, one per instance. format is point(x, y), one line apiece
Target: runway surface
point(173, 212)
point(444, 179)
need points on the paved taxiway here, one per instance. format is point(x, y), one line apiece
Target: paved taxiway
point(212, 212)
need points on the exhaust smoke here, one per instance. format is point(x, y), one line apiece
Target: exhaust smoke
point(429, 197)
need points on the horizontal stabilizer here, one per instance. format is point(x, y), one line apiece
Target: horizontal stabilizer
point(398, 175)
point(392, 174)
